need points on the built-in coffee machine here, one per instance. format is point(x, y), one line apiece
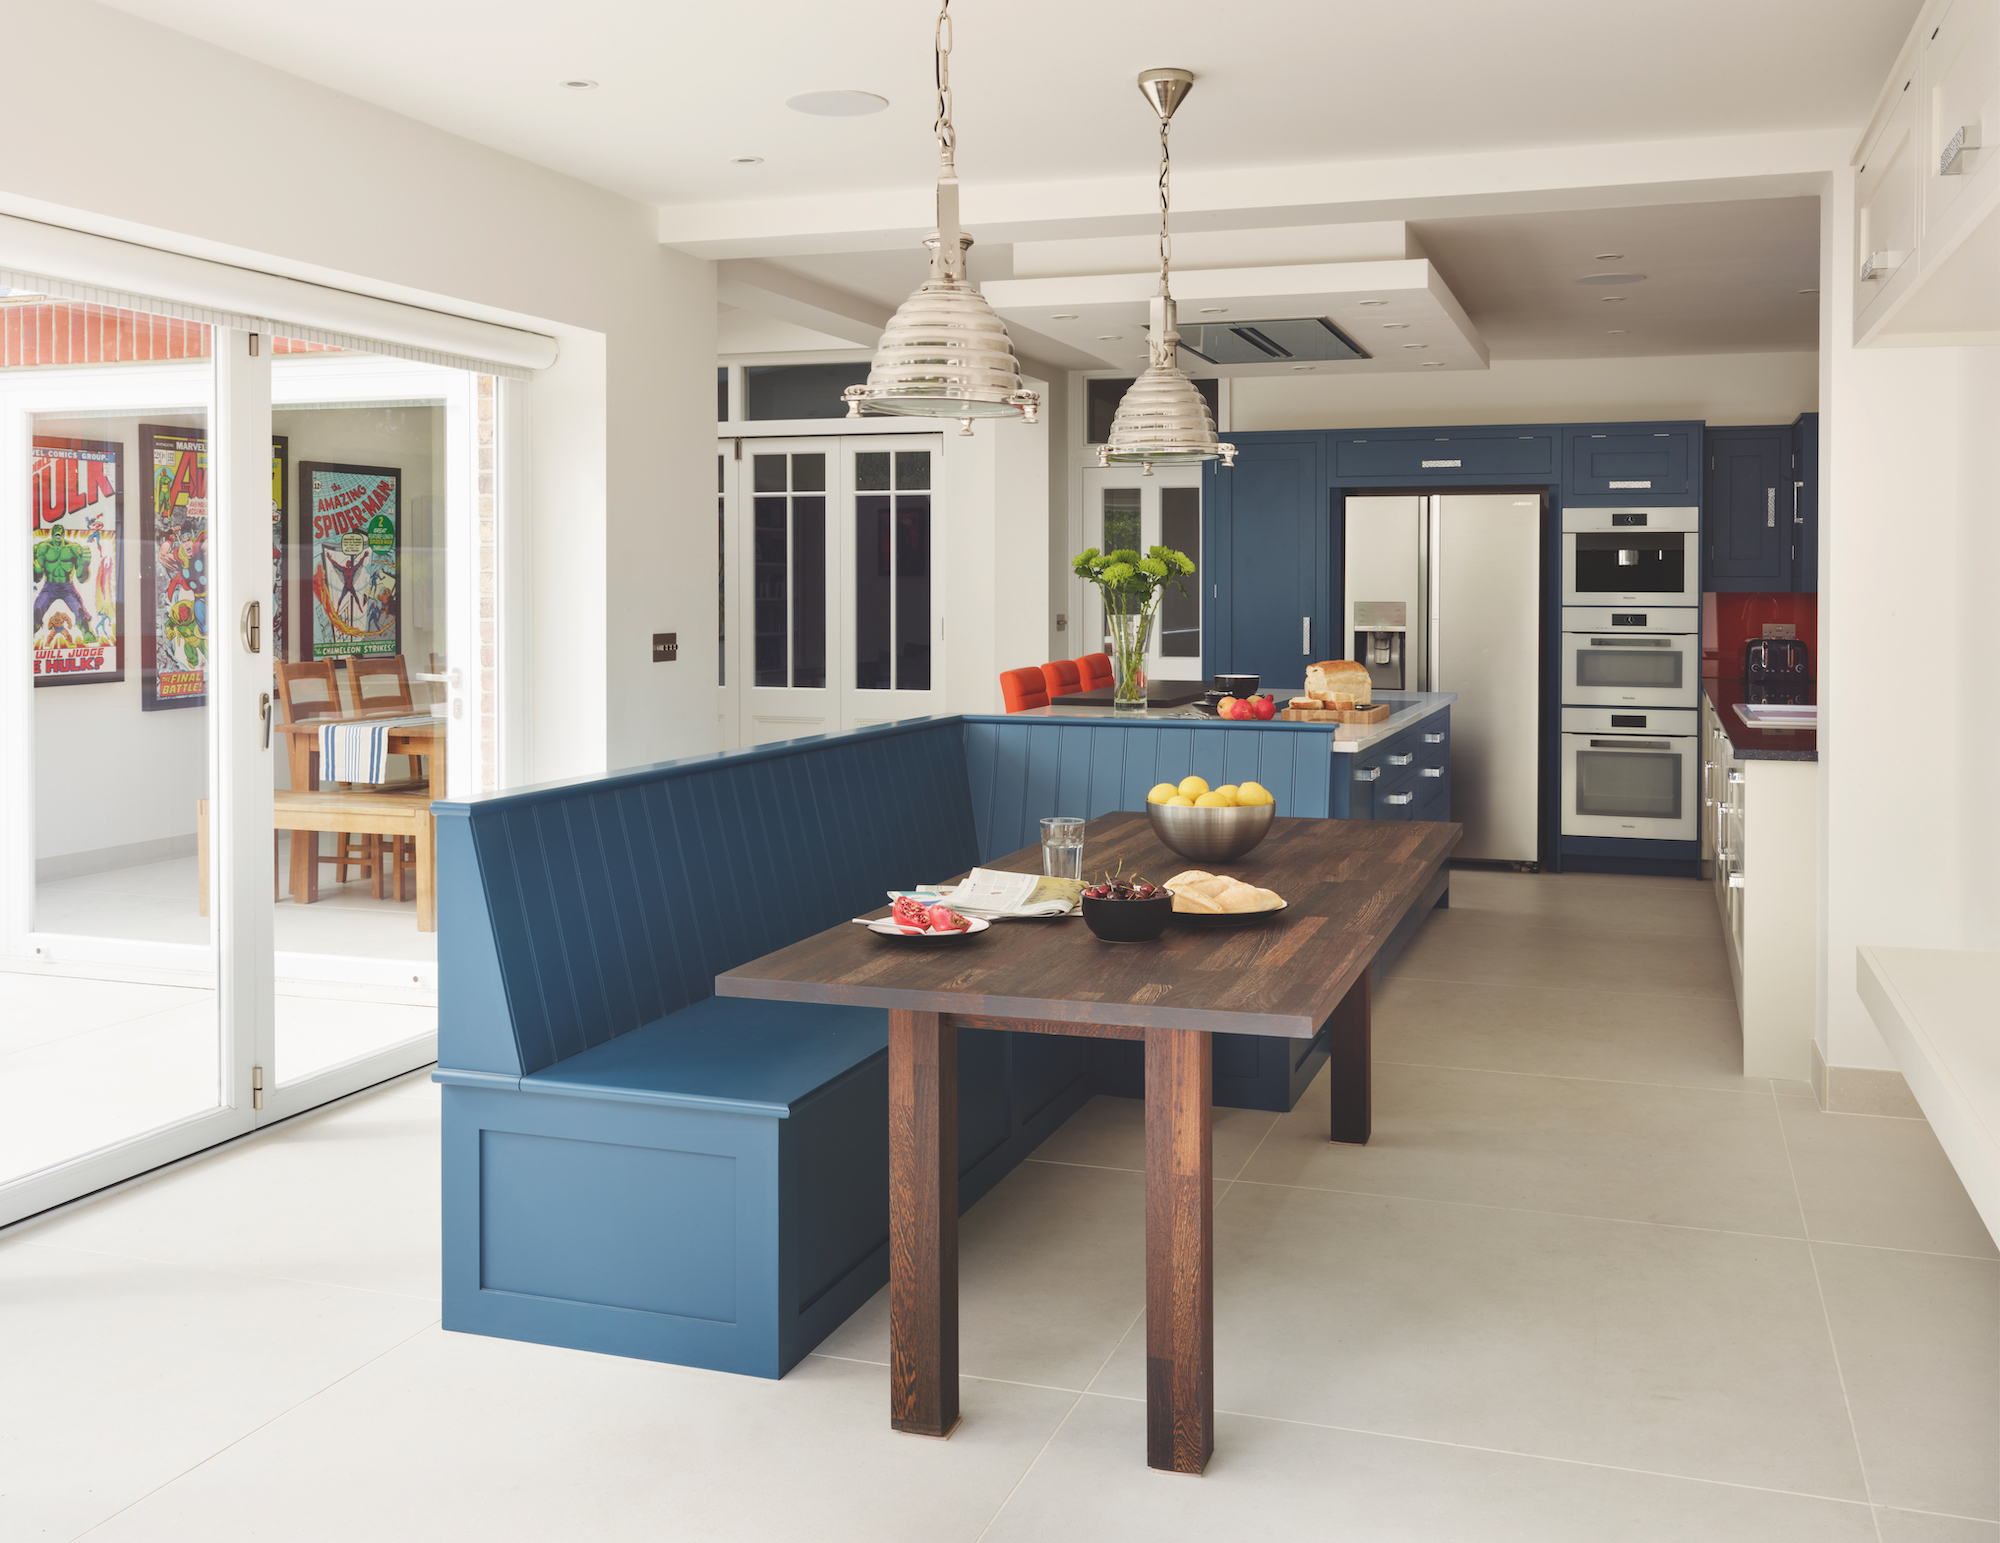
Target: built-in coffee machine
point(1381, 628)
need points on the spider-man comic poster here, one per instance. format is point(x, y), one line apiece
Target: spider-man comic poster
point(77, 546)
point(354, 532)
point(173, 567)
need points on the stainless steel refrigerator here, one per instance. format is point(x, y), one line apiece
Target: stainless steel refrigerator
point(1443, 593)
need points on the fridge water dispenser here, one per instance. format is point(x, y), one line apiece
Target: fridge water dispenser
point(1380, 628)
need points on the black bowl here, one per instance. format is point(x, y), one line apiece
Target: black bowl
point(1128, 921)
point(1238, 685)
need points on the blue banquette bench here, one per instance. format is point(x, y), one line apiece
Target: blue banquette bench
point(634, 1165)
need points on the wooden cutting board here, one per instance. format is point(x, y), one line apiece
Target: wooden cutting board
point(1374, 713)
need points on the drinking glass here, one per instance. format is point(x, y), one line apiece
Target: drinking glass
point(1062, 848)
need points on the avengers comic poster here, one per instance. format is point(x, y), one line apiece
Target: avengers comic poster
point(78, 560)
point(353, 545)
point(173, 567)
point(279, 632)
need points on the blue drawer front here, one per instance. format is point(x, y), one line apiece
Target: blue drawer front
point(1465, 455)
point(1645, 461)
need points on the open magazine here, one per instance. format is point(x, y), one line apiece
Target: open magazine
point(988, 893)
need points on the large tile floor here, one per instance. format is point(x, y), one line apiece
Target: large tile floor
point(1585, 1284)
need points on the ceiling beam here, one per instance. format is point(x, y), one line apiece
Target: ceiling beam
point(772, 291)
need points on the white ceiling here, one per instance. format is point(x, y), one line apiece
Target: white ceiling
point(1044, 87)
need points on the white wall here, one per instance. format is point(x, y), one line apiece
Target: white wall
point(259, 168)
point(1910, 540)
point(1720, 388)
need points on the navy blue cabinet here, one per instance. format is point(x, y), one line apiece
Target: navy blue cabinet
point(1436, 456)
point(1266, 560)
point(1805, 513)
point(1659, 462)
point(1748, 526)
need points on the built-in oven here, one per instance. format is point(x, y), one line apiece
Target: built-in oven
point(1634, 775)
point(1631, 557)
point(1614, 658)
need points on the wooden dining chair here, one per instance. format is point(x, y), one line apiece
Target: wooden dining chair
point(1094, 671)
point(380, 685)
point(308, 689)
point(1023, 689)
point(1062, 678)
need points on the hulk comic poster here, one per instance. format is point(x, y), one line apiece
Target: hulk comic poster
point(77, 563)
point(173, 567)
point(353, 544)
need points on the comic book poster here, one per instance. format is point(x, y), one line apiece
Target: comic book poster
point(353, 546)
point(279, 632)
point(173, 567)
point(78, 560)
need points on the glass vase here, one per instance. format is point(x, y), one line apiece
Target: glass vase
point(1128, 660)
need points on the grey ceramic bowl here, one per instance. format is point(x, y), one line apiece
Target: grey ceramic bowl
point(1211, 835)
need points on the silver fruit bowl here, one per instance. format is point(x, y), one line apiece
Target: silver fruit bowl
point(1211, 835)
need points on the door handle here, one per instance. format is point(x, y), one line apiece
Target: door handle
point(264, 707)
point(1771, 508)
point(253, 626)
point(1306, 635)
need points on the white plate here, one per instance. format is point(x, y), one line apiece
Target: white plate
point(885, 928)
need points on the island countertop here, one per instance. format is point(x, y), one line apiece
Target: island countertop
point(1347, 738)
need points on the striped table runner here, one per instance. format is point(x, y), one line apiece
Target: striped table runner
point(359, 752)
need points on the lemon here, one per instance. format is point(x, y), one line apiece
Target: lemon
point(1180, 801)
point(1193, 787)
point(1229, 791)
point(1214, 801)
point(1162, 792)
point(1252, 793)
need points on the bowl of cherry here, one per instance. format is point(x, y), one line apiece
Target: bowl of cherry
point(1126, 910)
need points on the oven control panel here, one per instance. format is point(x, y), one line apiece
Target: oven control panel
point(1659, 722)
point(1655, 618)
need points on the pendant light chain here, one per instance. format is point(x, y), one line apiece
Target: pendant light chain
point(947, 136)
point(1166, 175)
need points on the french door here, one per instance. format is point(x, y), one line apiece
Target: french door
point(832, 560)
point(161, 988)
point(1123, 510)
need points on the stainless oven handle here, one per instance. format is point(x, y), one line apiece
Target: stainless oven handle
point(1631, 642)
point(1631, 744)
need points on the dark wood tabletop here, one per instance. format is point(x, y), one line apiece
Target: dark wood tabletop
point(1347, 884)
point(1159, 693)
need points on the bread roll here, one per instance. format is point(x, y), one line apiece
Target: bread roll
point(1209, 894)
point(1332, 678)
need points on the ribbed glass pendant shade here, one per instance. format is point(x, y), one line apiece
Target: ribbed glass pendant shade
point(945, 354)
point(1162, 417)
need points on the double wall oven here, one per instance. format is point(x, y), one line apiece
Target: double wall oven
point(1633, 775)
point(1613, 658)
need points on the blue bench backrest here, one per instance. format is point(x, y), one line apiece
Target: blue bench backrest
point(574, 912)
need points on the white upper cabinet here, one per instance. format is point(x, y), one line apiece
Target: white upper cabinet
point(1888, 178)
point(1962, 77)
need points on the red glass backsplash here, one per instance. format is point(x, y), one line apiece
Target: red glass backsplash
point(1729, 621)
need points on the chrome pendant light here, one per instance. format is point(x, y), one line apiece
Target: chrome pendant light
point(1163, 418)
point(944, 353)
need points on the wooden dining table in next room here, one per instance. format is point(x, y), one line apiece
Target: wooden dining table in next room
point(1348, 884)
point(302, 756)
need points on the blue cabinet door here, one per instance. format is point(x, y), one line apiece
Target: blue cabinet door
point(1443, 456)
point(1266, 561)
point(1805, 484)
point(1747, 514)
point(1644, 462)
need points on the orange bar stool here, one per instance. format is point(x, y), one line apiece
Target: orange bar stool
point(1062, 678)
point(1094, 672)
point(1023, 689)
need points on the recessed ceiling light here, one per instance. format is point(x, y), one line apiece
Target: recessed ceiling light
point(1371, 302)
point(1612, 278)
point(1808, 291)
point(1416, 345)
point(1609, 257)
point(1391, 326)
point(1064, 316)
point(1433, 364)
point(837, 104)
point(1110, 337)
point(1615, 332)
point(1305, 366)
point(579, 85)
point(1609, 299)
point(1215, 310)
point(746, 160)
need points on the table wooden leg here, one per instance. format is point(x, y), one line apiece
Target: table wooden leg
point(1180, 1252)
point(1348, 1066)
point(299, 756)
point(923, 1224)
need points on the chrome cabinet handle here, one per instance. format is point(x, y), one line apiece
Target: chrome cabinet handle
point(1399, 760)
point(1771, 508)
point(1708, 766)
point(1305, 634)
point(1367, 773)
point(1432, 771)
point(1433, 739)
point(1736, 881)
point(1736, 776)
point(1399, 798)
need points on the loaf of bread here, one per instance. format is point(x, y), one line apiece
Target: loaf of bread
point(1339, 683)
point(1211, 894)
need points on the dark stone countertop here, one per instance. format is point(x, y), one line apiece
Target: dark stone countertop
point(1760, 744)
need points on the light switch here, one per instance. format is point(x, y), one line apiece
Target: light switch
point(666, 647)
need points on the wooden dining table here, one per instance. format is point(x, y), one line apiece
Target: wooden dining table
point(1347, 885)
point(302, 756)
